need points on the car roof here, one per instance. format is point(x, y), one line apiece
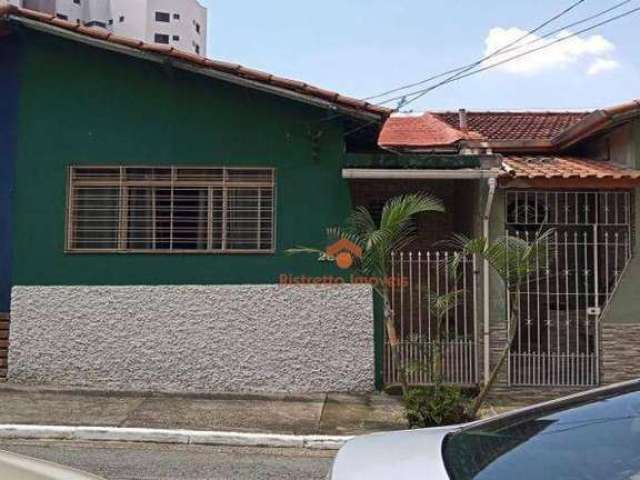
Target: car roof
point(554, 405)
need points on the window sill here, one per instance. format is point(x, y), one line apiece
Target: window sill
point(170, 252)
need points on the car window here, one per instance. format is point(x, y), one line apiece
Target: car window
point(593, 438)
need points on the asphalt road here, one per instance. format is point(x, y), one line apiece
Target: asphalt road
point(126, 461)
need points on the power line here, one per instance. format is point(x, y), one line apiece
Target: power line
point(469, 66)
point(570, 25)
point(420, 93)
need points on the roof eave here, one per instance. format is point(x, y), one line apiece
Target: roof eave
point(416, 149)
point(418, 174)
point(512, 146)
point(546, 183)
point(126, 47)
point(597, 122)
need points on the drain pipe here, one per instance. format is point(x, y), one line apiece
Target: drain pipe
point(485, 280)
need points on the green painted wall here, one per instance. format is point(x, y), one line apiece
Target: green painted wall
point(85, 106)
point(625, 307)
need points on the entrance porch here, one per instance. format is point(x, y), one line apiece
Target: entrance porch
point(560, 344)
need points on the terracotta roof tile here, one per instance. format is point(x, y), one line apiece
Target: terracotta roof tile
point(187, 56)
point(425, 130)
point(250, 74)
point(548, 168)
point(326, 94)
point(95, 32)
point(33, 14)
point(223, 66)
point(516, 125)
point(156, 48)
point(126, 41)
point(59, 22)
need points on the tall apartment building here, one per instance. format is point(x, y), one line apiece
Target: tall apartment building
point(179, 23)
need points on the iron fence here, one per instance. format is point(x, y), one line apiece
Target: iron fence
point(430, 339)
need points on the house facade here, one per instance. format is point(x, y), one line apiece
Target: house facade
point(141, 179)
point(146, 225)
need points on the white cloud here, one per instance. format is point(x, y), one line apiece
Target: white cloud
point(602, 65)
point(559, 55)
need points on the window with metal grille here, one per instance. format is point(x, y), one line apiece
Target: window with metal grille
point(171, 209)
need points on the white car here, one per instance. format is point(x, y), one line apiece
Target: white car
point(18, 467)
point(593, 435)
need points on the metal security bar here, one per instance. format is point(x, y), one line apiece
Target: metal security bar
point(171, 209)
point(557, 335)
point(428, 337)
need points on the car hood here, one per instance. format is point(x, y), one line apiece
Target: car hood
point(14, 466)
point(411, 454)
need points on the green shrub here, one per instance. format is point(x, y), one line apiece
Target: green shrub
point(435, 406)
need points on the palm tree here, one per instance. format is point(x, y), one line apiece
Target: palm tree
point(440, 307)
point(395, 231)
point(514, 260)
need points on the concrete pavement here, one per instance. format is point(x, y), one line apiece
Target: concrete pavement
point(325, 414)
point(123, 461)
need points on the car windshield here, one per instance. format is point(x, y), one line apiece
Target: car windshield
point(592, 437)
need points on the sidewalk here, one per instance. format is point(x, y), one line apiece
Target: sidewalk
point(332, 414)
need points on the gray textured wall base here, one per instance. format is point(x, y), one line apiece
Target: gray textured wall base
point(270, 338)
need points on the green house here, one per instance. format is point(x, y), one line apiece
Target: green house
point(165, 183)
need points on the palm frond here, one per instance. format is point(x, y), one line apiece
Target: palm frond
point(513, 258)
point(395, 232)
point(440, 305)
point(400, 210)
point(338, 233)
point(300, 249)
point(360, 222)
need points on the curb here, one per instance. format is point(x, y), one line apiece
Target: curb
point(184, 437)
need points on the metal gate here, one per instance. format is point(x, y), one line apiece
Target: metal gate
point(451, 333)
point(557, 337)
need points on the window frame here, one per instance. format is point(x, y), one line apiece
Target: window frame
point(157, 36)
point(123, 234)
point(95, 23)
point(162, 15)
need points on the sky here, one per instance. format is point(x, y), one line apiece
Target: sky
point(365, 47)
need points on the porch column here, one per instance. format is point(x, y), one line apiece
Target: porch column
point(497, 302)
